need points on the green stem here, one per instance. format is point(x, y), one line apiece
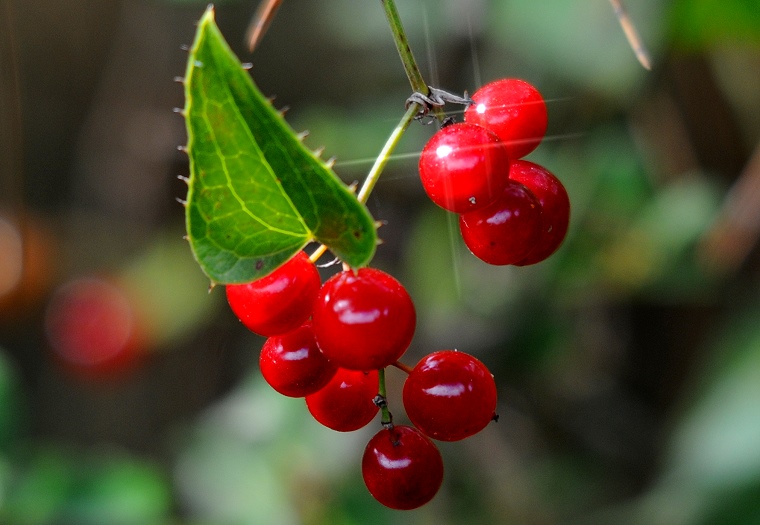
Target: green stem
point(377, 169)
point(407, 57)
point(418, 85)
point(402, 45)
point(385, 154)
point(386, 417)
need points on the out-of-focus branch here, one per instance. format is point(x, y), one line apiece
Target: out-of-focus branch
point(260, 22)
point(726, 245)
point(631, 34)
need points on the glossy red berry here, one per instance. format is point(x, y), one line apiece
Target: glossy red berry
point(293, 365)
point(450, 395)
point(505, 231)
point(512, 109)
point(363, 320)
point(463, 167)
point(279, 302)
point(555, 207)
point(346, 403)
point(402, 468)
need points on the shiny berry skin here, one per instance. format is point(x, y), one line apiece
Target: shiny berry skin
point(402, 468)
point(463, 167)
point(555, 207)
point(293, 365)
point(346, 403)
point(363, 320)
point(507, 230)
point(279, 302)
point(450, 395)
point(512, 109)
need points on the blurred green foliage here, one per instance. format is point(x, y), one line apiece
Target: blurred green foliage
point(628, 364)
point(711, 22)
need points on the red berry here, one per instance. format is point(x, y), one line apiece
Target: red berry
point(505, 231)
point(512, 109)
point(463, 167)
point(346, 403)
point(293, 365)
point(402, 468)
point(555, 207)
point(279, 302)
point(363, 320)
point(450, 395)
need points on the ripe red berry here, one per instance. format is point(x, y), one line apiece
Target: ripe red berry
point(402, 468)
point(363, 320)
point(279, 302)
point(293, 365)
point(505, 231)
point(555, 207)
point(450, 395)
point(463, 167)
point(346, 403)
point(512, 109)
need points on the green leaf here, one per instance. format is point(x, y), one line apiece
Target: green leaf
point(256, 194)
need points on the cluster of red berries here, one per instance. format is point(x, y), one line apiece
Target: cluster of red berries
point(328, 343)
point(511, 211)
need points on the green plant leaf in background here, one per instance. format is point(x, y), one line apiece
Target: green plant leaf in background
point(709, 22)
point(256, 194)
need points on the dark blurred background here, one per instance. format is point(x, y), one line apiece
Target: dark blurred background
point(628, 364)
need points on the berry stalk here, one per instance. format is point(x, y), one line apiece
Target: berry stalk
point(385, 154)
point(386, 418)
point(403, 367)
point(418, 85)
point(377, 168)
